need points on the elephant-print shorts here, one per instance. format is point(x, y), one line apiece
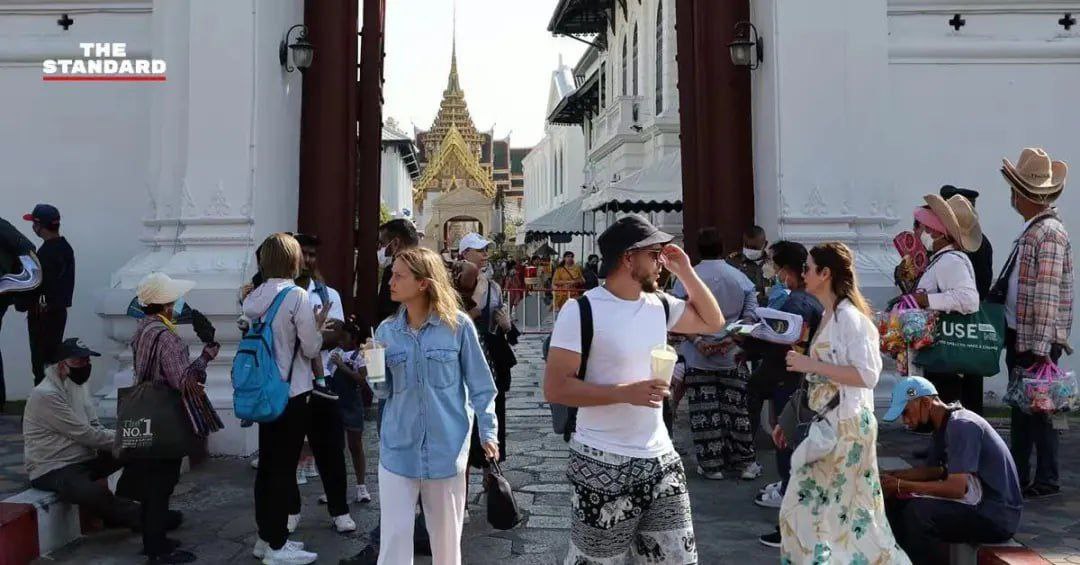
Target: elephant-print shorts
point(628, 510)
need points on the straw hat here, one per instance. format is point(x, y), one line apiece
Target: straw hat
point(159, 288)
point(1035, 176)
point(961, 221)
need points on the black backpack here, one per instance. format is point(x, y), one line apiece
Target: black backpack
point(564, 418)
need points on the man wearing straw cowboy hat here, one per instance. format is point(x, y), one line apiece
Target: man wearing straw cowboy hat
point(1036, 287)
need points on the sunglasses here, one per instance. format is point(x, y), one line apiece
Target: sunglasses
point(653, 254)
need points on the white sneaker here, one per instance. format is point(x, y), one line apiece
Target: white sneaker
point(362, 494)
point(261, 547)
point(255, 463)
point(467, 517)
point(310, 469)
point(770, 499)
point(301, 477)
point(771, 486)
point(714, 476)
point(751, 472)
point(289, 556)
point(343, 524)
point(293, 523)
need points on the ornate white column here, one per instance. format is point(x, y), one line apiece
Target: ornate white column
point(821, 130)
point(225, 128)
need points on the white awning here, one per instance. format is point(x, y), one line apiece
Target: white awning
point(657, 187)
point(566, 220)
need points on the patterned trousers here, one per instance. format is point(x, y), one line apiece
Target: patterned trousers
point(720, 418)
point(629, 510)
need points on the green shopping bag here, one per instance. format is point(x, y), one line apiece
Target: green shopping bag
point(967, 344)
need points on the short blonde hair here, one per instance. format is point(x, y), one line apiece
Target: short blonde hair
point(279, 257)
point(427, 265)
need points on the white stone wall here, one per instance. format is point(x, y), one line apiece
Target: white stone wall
point(223, 173)
point(892, 102)
point(81, 147)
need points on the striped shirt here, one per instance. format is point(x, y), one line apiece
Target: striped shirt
point(173, 362)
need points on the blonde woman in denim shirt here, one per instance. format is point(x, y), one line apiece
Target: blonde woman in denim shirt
point(436, 379)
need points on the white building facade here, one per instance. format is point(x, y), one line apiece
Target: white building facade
point(627, 103)
point(398, 171)
point(555, 170)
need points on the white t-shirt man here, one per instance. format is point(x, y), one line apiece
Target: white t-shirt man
point(624, 334)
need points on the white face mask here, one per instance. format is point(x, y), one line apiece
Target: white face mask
point(752, 254)
point(384, 258)
point(927, 240)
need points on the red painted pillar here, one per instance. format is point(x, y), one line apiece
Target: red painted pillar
point(328, 140)
point(714, 100)
point(370, 160)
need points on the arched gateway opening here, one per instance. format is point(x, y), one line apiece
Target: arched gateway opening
point(341, 136)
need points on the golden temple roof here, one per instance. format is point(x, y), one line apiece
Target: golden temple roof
point(458, 142)
point(455, 160)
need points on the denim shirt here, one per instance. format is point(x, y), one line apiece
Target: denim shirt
point(434, 381)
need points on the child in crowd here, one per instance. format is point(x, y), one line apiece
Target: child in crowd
point(349, 377)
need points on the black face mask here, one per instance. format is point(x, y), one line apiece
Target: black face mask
point(79, 375)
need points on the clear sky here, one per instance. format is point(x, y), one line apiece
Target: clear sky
point(505, 60)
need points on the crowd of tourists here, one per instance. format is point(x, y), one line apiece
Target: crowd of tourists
point(623, 353)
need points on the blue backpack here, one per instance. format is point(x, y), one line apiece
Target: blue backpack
point(259, 393)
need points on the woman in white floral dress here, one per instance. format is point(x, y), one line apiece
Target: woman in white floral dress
point(833, 512)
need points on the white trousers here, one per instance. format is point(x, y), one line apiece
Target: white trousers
point(444, 511)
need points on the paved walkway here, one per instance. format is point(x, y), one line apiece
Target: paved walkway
point(220, 528)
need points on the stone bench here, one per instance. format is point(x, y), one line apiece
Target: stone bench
point(33, 523)
point(1008, 553)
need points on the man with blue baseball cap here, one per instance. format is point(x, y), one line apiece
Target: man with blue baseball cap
point(969, 492)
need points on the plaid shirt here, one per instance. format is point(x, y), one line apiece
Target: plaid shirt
point(174, 364)
point(1044, 299)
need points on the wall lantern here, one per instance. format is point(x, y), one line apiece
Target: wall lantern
point(747, 41)
point(303, 51)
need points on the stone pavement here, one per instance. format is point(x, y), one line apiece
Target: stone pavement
point(12, 472)
point(220, 526)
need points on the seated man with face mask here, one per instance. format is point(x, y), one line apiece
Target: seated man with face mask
point(67, 450)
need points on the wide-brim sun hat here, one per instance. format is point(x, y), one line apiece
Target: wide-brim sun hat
point(960, 219)
point(1036, 177)
point(159, 288)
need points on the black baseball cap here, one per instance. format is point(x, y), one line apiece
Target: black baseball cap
point(948, 191)
point(46, 214)
point(626, 234)
point(72, 348)
point(307, 240)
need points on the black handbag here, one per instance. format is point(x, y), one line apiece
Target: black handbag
point(502, 509)
point(151, 422)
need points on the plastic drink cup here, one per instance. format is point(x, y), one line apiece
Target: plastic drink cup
point(662, 360)
point(375, 360)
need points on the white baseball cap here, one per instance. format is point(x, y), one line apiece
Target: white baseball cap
point(159, 288)
point(473, 240)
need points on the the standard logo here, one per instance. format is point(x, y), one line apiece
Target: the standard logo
point(103, 62)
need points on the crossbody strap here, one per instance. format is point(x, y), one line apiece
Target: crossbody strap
point(586, 318)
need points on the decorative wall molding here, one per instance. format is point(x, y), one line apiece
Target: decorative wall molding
point(961, 50)
point(219, 203)
point(903, 7)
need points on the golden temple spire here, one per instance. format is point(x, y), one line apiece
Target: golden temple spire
point(452, 83)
